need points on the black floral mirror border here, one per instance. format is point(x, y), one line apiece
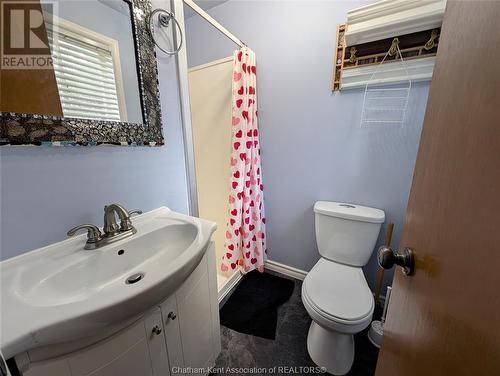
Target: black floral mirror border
point(30, 129)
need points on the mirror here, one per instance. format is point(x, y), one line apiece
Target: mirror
point(93, 54)
point(79, 71)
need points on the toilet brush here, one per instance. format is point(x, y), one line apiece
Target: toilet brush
point(377, 327)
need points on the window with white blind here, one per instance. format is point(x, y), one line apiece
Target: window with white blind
point(87, 70)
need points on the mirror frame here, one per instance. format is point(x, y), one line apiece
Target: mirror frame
point(34, 129)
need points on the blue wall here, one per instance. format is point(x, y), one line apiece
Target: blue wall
point(312, 145)
point(46, 191)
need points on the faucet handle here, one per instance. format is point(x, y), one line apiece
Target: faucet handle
point(126, 223)
point(134, 212)
point(93, 232)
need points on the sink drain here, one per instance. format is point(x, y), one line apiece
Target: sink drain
point(134, 278)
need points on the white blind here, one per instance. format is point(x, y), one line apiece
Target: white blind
point(85, 76)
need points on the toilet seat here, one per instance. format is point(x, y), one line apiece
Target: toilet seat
point(338, 297)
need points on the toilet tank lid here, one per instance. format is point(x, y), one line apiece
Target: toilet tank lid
point(349, 211)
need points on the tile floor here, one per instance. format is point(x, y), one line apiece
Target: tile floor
point(289, 349)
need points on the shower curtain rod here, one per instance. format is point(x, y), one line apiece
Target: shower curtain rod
point(213, 22)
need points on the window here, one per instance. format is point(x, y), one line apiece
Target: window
point(88, 74)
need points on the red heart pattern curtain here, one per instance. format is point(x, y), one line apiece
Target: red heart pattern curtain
point(245, 243)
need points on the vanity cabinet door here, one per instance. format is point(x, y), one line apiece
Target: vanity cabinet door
point(126, 353)
point(143, 353)
point(50, 368)
point(156, 343)
point(198, 315)
point(135, 361)
point(172, 333)
point(139, 349)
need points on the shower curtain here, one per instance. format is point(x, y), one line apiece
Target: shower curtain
point(245, 242)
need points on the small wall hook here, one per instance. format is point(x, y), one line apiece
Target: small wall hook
point(353, 58)
point(431, 43)
point(393, 50)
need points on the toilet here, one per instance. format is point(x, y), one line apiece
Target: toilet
point(335, 292)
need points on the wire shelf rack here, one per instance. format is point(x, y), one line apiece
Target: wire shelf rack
point(387, 104)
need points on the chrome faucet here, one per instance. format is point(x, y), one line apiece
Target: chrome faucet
point(111, 228)
point(112, 231)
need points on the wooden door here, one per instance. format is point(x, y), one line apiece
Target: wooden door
point(31, 91)
point(445, 320)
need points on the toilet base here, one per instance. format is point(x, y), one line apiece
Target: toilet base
point(330, 349)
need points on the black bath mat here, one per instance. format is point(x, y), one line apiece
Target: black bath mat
point(253, 306)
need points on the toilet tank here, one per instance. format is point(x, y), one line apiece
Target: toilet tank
point(347, 233)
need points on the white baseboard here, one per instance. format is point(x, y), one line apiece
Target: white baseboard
point(274, 266)
point(230, 285)
point(289, 271)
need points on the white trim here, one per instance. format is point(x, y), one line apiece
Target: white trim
point(211, 64)
point(389, 18)
point(228, 287)
point(389, 73)
point(213, 22)
point(185, 102)
point(289, 271)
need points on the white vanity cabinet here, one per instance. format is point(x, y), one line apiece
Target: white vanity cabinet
point(193, 338)
point(182, 331)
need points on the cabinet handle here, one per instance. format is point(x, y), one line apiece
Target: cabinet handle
point(172, 315)
point(156, 330)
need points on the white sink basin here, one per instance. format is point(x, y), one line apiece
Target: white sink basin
point(62, 292)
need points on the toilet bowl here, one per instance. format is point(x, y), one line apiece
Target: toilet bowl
point(335, 292)
point(341, 304)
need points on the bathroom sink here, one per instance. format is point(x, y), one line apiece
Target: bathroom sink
point(62, 292)
point(83, 274)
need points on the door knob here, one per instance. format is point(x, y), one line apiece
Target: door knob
point(172, 316)
point(387, 258)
